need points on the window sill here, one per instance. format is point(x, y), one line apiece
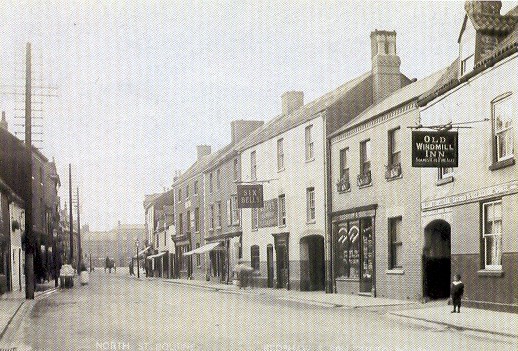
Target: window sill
point(394, 178)
point(282, 226)
point(365, 186)
point(281, 170)
point(502, 164)
point(311, 222)
point(310, 160)
point(395, 271)
point(443, 181)
point(254, 229)
point(490, 273)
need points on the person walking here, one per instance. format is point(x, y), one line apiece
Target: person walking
point(457, 290)
point(131, 268)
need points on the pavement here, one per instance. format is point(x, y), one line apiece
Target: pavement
point(437, 312)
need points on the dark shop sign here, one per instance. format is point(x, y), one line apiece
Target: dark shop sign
point(435, 149)
point(249, 195)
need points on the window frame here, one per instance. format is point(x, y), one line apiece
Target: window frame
point(236, 169)
point(219, 221)
point(309, 143)
point(211, 217)
point(197, 220)
point(255, 219)
point(310, 205)
point(497, 158)
point(393, 261)
point(497, 235)
point(253, 165)
point(211, 183)
point(218, 179)
point(235, 218)
point(195, 186)
point(280, 154)
point(281, 209)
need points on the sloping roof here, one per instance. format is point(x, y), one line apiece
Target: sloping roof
point(399, 97)
point(493, 23)
point(282, 123)
point(150, 199)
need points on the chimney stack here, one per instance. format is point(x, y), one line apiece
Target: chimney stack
point(3, 123)
point(483, 7)
point(291, 100)
point(203, 150)
point(241, 129)
point(386, 76)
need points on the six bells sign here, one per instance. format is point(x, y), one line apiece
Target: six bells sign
point(435, 149)
point(250, 196)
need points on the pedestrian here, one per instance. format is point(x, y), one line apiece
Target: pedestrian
point(457, 290)
point(131, 268)
point(243, 273)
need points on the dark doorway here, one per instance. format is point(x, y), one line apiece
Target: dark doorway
point(313, 265)
point(269, 264)
point(282, 260)
point(437, 260)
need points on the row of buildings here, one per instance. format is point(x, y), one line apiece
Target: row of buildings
point(344, 209)
point(49, 241)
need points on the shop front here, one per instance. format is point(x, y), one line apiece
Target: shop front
point(222, 258)
point(354, 251)
point(183, 263)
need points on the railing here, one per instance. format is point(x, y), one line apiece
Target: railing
point(343, 184)
point(364, 178)
point(393, 171)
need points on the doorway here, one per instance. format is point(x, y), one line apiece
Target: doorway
point(282, 260)
point(269, 264)
point(437, 260)
point(312, 263)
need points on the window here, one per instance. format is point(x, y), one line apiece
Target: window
point(233, 211)
point(180, 224)
point(165, 238)
point(197, 219)
point(364, 178)
point(310, 204)
point(236, 169)
point(396, 245)
point(282, 210)
point(218, 218)
point(188, 220)
point(211, 217)
point(467, 64)
point(218, 179)
point(502, 116)
point(195, 187)
point(198, 256)
point(309, 144)
point(255, 218)
point(187, 191)
point(253, 166)
point(210, 182)
point(179, 195)
point(445, 172)
point(280, 154)
point(492, 235)
point(254, 257)
point(393, 168)
point(343, 183)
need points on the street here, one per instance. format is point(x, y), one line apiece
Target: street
point(118, 312)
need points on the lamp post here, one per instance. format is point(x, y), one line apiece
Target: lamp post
point(138, 261)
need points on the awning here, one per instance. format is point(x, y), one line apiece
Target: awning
point(203, 249)
point(157, 255)
point(144, 251)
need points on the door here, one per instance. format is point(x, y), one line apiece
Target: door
point(269, 264)
point(437, 260)
point(367, 255)
point(282, 266)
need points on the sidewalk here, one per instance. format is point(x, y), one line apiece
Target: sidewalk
point(476, 320)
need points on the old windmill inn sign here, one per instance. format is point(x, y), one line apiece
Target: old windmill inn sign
point(435, 149)
point(249, 196)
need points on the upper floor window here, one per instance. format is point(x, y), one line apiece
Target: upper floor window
point(236, 169)
point(253, 166)
point(211, 217)
point(233, 210)
point(187, 191)
point(179, 195)
point(180, 223)
point(309, 143)
point(445, 172)
point(255, 218)
point(310, 200)
point(502, 117)
point(197, 219)
point(364, 178)
point(393, 168)
point(467, 64)
point(195, 187)
point(492, 234)
point(343, 183)
point(282, 210)
point(218, 218)
point(280, 154)
point(210, 183)
point(218, 179)
point(188, 220)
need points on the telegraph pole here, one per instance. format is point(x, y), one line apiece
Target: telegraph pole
point(70, 213)
point(29, 234)
point(79, 253)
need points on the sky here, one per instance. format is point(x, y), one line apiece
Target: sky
point(140, 83)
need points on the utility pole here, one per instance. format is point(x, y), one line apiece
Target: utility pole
point(70, 214)
point(29, 233)
point(79, 253)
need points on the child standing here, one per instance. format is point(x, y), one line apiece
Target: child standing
point(457, 290)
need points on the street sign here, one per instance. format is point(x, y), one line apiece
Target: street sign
point(250, 196)
point(435, 149)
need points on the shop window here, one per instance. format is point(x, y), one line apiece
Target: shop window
point(280, 154)
point(282, 210)
point(502, 117)
point(393, 168)
point(492, 235)
point(396, 244)
point(309, 145)
point(344, 183)
point(364, 178)
point(254, 257)
point(354, 257)
point(255, 218)
point(253, 166)
point(310, 204)
point(198, 256)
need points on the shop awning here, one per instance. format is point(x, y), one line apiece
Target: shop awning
point(203, 249)
point(144, 251)
point(157, 255)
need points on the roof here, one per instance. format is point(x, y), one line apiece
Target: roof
point(282, 123)
point(150, 199)
point(450, 79)
point(399, 97)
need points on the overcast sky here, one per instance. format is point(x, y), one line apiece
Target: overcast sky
point(141, 83)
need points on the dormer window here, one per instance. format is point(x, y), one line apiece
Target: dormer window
point(467, 64)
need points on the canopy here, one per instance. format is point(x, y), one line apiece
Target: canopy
point(157, 255)
point(203, 249)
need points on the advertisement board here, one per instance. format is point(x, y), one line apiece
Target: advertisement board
point(435, 149)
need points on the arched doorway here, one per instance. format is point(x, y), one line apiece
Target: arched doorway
point(312, 263)
point(437, 260)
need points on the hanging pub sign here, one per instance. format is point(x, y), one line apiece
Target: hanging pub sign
point(250, 196)
point(435, 149)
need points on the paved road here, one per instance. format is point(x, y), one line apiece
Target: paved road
point(115, 312)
